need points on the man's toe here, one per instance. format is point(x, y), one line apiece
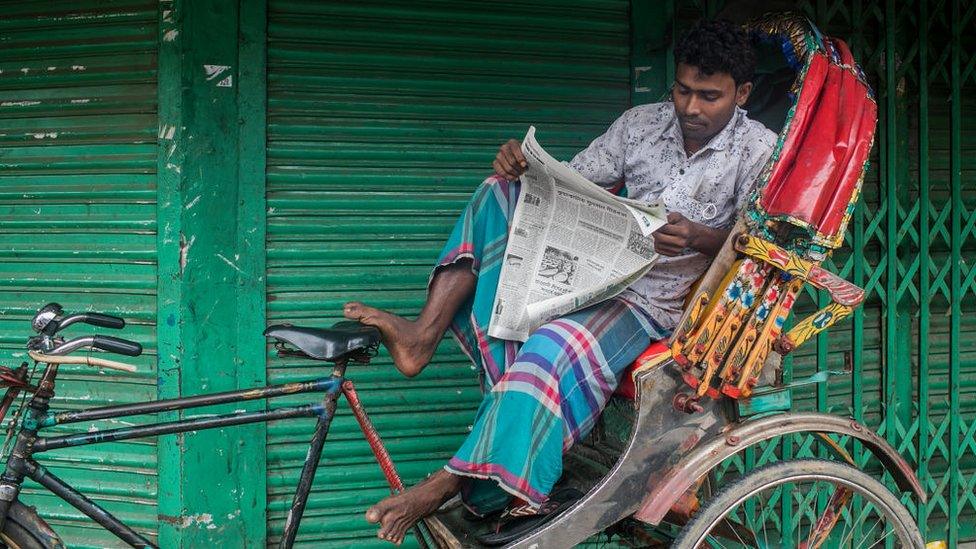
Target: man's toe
point(376, 513)
point(353, 309)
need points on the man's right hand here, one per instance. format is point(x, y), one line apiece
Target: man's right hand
point(510, 163)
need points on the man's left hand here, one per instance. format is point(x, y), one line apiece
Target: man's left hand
point(681, 233)
point(673, 238)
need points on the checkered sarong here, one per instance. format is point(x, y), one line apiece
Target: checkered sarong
point(541, 396)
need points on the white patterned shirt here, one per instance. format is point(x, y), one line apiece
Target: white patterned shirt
point(644, 148)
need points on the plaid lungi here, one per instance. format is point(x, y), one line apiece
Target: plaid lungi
point(541, 396)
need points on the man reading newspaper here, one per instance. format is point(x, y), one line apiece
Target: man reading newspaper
point(570, 244)
point(699, 154)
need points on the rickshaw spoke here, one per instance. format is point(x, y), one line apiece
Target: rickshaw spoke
point(736, 532)
point(822, 527)
point(873, 526)
point(882, 538)
point(713, 541)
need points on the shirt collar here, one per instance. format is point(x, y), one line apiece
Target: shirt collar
point(672, 131)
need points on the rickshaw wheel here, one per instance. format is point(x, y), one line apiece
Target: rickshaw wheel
point(821, 504)
point(22, 530)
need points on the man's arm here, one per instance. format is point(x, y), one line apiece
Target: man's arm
point(602, 161)
point(681, 233)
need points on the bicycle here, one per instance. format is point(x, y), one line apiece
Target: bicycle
point(22, 527)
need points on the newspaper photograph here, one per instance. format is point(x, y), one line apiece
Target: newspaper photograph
point(572, 244)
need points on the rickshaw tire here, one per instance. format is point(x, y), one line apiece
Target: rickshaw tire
point(707, 518)
point(18, 534)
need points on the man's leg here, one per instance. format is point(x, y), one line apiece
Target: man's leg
point(462, 286)
point(547, 400)
point(460, 294)
point(396, 514)
point(412, 342)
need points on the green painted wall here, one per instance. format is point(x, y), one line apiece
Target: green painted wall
point(211, 284)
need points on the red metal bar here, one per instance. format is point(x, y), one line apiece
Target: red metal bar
point(379, 451)
point(372, 437)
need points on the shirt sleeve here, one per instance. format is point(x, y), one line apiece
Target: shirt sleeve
point(755, 154)
point(602, 162)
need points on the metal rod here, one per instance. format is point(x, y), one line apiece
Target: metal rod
point(140, 408)
point(297, 509)
point(16, 465)
point(8, 398)
point(925, 289)
point(955, 335)
point(889, 178)
point(372, 437)
point(91, 509)
point(379, 451)
point(43, 444)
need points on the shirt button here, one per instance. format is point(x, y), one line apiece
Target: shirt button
point(681, 171)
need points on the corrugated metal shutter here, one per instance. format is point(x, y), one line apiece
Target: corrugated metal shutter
point(77, 222)
point(382, 118)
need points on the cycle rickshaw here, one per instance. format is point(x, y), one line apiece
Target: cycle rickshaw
point(715, 389)
point(690, 403)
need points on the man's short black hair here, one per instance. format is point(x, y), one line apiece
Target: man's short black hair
point(717, 46)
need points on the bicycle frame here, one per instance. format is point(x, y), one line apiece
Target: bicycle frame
point(20, 463)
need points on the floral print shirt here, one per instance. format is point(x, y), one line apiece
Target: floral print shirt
point(644, 148)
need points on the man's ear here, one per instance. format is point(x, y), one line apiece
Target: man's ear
point(742, 93)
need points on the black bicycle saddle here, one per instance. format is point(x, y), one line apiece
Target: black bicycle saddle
point(343, 338)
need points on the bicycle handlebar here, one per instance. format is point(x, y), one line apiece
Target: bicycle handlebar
point(103, 321)
point(95, 319)
point(117, 345)
point(49, 321)
point(105, 343)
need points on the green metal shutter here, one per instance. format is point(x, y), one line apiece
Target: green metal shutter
point(382, 118)
point(77, 223)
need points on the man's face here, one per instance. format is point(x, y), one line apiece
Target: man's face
point(705, 103)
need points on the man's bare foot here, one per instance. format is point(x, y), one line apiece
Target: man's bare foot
point(396, 514)
point(410, 344)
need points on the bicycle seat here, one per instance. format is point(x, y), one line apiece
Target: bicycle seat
point(342, 339)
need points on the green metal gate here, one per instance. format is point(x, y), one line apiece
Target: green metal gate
point(382, 119)
point(77, 200)
point(911, 245)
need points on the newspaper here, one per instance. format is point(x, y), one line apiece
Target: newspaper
point(571, 244)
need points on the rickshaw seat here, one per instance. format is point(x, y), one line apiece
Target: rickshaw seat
point(626, 389)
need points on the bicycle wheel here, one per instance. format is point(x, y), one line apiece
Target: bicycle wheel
point(22, 531)
point(805, 504)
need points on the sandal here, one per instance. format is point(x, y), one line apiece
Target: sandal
point(518, 521)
